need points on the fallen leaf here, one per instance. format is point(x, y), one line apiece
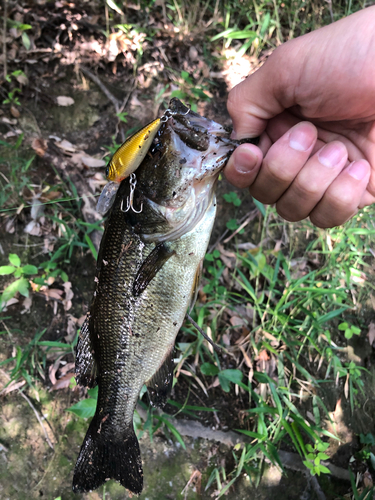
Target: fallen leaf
point(10, 225)
point(71, 329)
point(53, 370)
point(91, 162)
point(63, 100)
point(52, 293)
point(67, 368)
point(40, 146)
point(22, 79)
point(68, 295)
point(193, 53)
point(371, 333)
point(62, 383)
point(367, 480)
point(27, 304)
point(13, 386)
point(9, 121)
point(66, 146)
point(236, 321)
point(263, 355)
point(14, 111)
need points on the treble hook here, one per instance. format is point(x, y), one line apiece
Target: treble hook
point(130, 198)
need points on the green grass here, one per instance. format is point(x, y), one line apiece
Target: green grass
point(299, 292)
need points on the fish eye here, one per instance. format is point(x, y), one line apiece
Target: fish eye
point(107, 171)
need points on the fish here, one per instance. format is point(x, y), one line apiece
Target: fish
point(148, 270)
point(126, 160)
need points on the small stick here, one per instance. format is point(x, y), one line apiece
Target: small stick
point(217, 348)
point(38, 418)
point(102, 87)
point(5, 38)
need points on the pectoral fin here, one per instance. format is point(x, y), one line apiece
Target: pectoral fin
point(160, 384)
point(150, 267)
point(86, 373)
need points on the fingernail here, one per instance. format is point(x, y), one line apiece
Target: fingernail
point(332, 154)
point(301, 138)
point(358, 170)
point(245, 161)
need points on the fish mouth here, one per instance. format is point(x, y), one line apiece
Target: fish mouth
point(199, 149)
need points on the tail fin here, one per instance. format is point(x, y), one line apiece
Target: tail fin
point(104, 457)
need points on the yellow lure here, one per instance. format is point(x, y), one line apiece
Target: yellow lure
point(130, 154)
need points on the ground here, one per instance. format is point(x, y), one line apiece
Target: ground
point(68, 121)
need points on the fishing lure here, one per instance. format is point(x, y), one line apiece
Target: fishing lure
point(127, 159)
point(130, 154)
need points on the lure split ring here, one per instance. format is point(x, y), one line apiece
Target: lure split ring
point(169, 113)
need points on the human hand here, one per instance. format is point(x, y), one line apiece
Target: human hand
point(313, 102)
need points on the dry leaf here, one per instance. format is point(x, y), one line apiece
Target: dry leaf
point(67, 368)
point(33, 228)
point(9, 121)
point(63, 100)
point(40, 146)
point(91, 162)
point(27, 304)
point(63, 382)
point(14, 111)
point(263, 355)
point(13, 386)
point(10, 225)
point(66, 146)
point(22, 79)
point(53, 370)
point(236, 321)
point(71, 329)
point(371, 333)
point(367, 480)
point(68, 295)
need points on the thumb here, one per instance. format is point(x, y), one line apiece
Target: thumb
point(258, 98)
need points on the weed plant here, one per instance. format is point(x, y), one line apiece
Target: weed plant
point(298, 299)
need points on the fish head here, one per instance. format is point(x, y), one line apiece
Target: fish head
point(178, 176)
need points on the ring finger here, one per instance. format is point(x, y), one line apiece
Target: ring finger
point(310, 184)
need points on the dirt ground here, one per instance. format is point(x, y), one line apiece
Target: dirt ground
point(67, 135)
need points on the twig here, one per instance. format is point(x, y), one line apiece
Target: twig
point(102, 87)
point(244, 224)
point(220, 239)
point(317, 489)
point(217, 348)
point(38, 418)
point(5, 37)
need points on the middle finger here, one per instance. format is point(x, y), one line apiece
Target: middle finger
point(312, 181)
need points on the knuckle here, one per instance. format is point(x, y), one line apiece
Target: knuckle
point(262, 196)
point(342, 200)
point(312, 189)
point(288, 215)
point(277, 171)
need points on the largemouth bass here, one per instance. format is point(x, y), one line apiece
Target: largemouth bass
point(147, 276)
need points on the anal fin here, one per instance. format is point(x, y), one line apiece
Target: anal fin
point(85, 363)
point(160, 384)
point(150, 267)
